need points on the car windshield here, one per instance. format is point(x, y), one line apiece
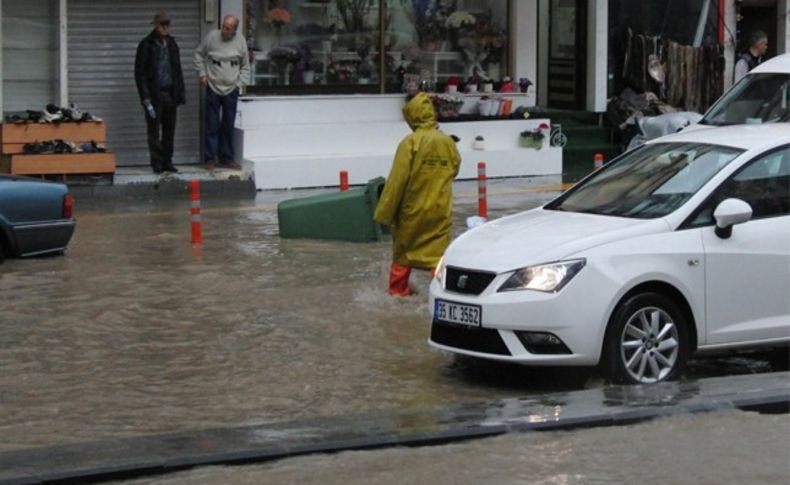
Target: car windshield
point(651, 181)
point(757, 98)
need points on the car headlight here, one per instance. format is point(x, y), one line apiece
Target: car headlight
point(438, 272)
point(549, 277)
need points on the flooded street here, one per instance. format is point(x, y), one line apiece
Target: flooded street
point(135, 332)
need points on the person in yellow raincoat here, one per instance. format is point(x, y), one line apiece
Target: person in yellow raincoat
point(417, 198)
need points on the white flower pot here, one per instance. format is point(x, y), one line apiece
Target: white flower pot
point(308, 77)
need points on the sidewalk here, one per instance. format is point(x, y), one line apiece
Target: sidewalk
point(141, 181)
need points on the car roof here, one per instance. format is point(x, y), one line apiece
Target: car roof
point(745, 137)
point(779, 63)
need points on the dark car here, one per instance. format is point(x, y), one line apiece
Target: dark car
point(35, 216)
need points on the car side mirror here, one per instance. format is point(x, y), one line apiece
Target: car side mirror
point(728, 213)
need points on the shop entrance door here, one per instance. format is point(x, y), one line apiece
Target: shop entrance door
point(567, 34)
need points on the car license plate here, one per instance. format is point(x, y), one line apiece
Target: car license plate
point(448, 311)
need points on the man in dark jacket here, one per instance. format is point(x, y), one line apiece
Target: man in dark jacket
point(160, 84)
point(753, 57)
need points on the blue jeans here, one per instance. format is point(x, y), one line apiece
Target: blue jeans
point(220, 118)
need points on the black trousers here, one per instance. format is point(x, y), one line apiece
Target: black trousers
point(161, 131)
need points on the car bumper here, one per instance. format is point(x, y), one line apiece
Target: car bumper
point(44, 237)
point(576, 315)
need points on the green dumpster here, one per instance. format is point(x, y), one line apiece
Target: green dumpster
point(339, 216)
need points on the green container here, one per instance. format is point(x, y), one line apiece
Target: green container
point(339, 216)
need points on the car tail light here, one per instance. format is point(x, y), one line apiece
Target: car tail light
point(68, 206)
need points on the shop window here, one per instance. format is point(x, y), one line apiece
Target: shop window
point(313, 46)
point(30, 54)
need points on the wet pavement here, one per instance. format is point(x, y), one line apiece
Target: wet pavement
point(135, 332)
point(730, 447)
point(615, 405)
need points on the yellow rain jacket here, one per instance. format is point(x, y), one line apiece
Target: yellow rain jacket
point(417, 198)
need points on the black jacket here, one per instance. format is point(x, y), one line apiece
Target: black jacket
point(145, 63)
point(751, 60)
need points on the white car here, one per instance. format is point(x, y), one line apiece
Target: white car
point(679, 246)
point(762, 96)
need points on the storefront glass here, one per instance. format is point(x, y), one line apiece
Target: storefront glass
point(313, 46)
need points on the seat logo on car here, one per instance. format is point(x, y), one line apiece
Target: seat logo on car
point(462, 281)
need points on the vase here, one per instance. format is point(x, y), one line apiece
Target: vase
point(285, 75)
point(308, 77)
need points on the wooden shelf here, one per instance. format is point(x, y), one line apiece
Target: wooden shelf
point(14, 136)
point(59, 163)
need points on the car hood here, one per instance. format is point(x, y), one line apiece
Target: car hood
point(541, 236)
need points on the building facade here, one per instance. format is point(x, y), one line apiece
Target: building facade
point(316, 52)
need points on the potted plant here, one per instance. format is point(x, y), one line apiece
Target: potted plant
point(284, 57)
point(533, 138)
point(306, 66)
point(279, 17)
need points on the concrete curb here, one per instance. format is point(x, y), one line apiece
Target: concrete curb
point(165, 187)
point(608, 406)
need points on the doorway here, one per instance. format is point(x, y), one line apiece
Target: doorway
point(567, 59)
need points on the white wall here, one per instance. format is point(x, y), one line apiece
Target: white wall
point(783, 26)
point(597, 54)
point(524, 35)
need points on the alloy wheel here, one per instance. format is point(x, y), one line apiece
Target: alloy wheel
point(649, 345)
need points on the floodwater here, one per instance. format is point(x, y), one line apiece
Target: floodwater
point(731, 447)
point(135, 332)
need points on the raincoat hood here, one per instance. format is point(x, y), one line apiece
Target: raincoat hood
point(419, 112)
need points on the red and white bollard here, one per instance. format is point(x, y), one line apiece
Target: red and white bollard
point(598, 161)
point(194, 210)
point(482, 202)
point(343, 180)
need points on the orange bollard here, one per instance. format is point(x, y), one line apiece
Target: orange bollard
point(343, 180)
point(598, 161)
point(194, 198)
point(482, 202)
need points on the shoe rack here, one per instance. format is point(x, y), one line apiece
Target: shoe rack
point(14, 136)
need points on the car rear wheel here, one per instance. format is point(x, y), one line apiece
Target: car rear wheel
point(647, 341)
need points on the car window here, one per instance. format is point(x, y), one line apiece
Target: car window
point(764, 184)
point(651, 181)
point(757, 98)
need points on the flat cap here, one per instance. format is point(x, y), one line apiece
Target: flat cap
point(161, 17)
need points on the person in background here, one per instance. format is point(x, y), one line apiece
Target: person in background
point(160, 85)
point(223, 64)
point(758, 45)
point(418, 196)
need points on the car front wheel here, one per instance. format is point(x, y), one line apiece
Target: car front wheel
point(647, 341)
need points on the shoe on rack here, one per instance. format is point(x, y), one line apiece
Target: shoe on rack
point(210, 165)
point(233, 165)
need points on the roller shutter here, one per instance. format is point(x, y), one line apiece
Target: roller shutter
point(103, 37)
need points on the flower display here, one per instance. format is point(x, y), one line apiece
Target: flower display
point(278, 16)
point(460, 19)
point(429, 18)
point(342, 71)
point(447, 106)
point(284, 55)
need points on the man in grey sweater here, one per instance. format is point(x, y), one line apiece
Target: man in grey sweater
point(223, 64)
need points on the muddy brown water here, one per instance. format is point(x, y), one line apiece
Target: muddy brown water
point(135, 332)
